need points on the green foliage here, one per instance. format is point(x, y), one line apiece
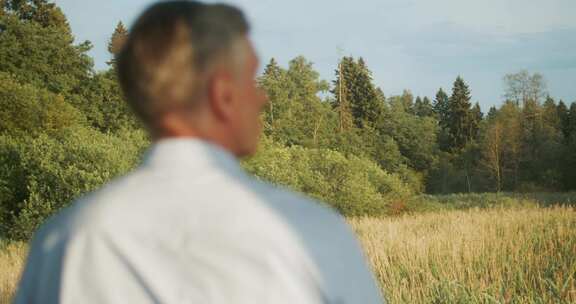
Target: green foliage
point(40, 175)
point(441, 110)
point(295, 114)
point(462, 123)
point(65, 130)
point(26, 110)
point(414, 135)
point(42, 56)
point(456, 173)
point(356, 98)
point(352, 185)
point(423, 107)
point(106, 110)
point(341, 102)
point(568, 170)
point(38, 11)
point(503, 200)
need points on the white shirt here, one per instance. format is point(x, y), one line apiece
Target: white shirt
point(189, 226)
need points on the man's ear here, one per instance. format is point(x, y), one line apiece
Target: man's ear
point(221, 95)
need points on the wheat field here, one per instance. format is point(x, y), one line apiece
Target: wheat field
point(525, 255)
point(475, 256)
point(12, 256)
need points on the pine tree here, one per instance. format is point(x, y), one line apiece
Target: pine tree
point(460, 123)
point(477, 117)
point(427, 109)
point(407, 101)
point(572, 123)
point(272, 69)
point(569, 159)
point(440, 107)
point(548, 165)
point(417, 105)
point(117, 41)
point(366, 105)
point(423, 107)
point(492, 112)
point(564, 117)
point(358, 92)
point(550, 113)
point(342, 93)
point(271, 81)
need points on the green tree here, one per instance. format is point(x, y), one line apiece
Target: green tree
point(415, 136)
point(441, 111)
point(460, 125)
point(492, 112)
point(296, 115)
point(357, 91)
point(423, 107)
point(366, 104)
point(43, 56)
point(441, 103)
point(548, 164)
point(116, 41)
point(40, 175)
point(407, 101)
point(564, 118)
point(571, 126)
point(39, 11)
point(102, 102)
point(272, 81)
point(28, 111)
point(569, 159)
point(352, 185)
point(476, 120)
point(341, 101)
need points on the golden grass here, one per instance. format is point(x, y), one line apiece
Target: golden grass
point(476, 256)
point(12, 258)
point(489, 256)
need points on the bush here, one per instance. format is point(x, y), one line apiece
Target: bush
point(40, 175)
point(26, 110)
point(352, 185)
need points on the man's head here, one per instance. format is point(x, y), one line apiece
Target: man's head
point(188, 69)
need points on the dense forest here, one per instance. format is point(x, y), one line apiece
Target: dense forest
point(65, 130)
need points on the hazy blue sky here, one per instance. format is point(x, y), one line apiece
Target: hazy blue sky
point(419, 45)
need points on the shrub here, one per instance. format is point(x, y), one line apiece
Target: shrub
point(26, 110)
point(352, 185)
point(40, 175)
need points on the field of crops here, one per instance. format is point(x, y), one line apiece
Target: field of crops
point(523, 253)
point(12, 257)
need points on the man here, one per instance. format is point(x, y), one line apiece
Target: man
point(188, 225)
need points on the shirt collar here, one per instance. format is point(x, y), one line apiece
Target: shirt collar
point(189, 152)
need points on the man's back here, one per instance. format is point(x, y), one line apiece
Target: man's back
point(189, 226)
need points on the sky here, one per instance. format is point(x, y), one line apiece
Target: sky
point(419, 45)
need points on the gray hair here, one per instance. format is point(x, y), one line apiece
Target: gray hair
point(171, 49)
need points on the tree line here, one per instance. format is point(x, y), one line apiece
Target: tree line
point(65, 130)
point(526, 144)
